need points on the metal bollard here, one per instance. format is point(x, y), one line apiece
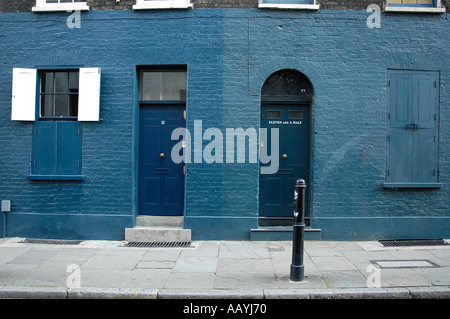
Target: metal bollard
point(297, 268)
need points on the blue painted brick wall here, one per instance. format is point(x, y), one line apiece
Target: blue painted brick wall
point(229, 54)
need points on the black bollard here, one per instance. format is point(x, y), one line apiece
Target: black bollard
point(297, 268)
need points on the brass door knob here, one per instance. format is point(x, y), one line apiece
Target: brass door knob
point(284, 156)
point(162, 155)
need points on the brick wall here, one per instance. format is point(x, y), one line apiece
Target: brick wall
point(229, 54)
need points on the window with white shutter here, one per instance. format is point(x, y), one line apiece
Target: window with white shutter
point(65, 98)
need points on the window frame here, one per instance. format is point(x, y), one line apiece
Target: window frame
point(53, 117)
point(162, 4)
point(280, 4)
point(43, 6)
point(436, 7)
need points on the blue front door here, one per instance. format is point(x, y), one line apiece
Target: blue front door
point(161, 181)
point(276, 196)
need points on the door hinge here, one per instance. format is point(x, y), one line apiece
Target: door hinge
point(389, 83)
point(184, 114)
point(184, 170)
point(435, 84)
point(388, 173)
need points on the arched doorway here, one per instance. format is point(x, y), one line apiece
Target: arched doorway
point(286, 99)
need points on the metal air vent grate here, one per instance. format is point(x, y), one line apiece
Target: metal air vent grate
point(51, 241)
point(413, 242)
point(158, 244)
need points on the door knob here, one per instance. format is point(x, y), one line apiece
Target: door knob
point(284, 156)
point(162, 155)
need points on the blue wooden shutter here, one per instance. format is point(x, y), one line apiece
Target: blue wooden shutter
point(44, 148)
point(425, 113)
point(413, 127)
point(69, 148)
point(400, 139)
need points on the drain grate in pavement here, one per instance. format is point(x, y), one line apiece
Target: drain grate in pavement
point(158, 244)
point(413, 242)
point(51, 241)
point(396, 264)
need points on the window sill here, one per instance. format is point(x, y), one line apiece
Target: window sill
point(412, 185)
point(163, 5)
point(288, 6)
point(55, 7)
point(56, 177)
point(414, 9)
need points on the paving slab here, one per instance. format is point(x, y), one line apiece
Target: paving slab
point(190, 279)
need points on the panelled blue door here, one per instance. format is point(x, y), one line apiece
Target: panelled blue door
point(161, 181)
point(277, 190)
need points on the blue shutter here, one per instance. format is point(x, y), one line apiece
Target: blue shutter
point(44, 148)
point(69, 148)
point(413, 127)
point(400, 139)
point(425, 112)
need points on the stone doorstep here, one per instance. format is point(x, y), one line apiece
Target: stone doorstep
point(157, 234)
point(158, 229)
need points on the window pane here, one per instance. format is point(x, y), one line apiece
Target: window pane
point(47, 105)
point(174, 86)
point(61, 82)
point(73, 105)
point(61, 105)
point(150, 86)
point(274, 114)
point(163, 86)
point(73, 82)
point(296, 115)
point(47, 82)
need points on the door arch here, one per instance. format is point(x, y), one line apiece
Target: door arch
point(286, 99)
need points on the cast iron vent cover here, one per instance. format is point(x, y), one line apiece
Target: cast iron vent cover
point(413, 242)
point(158, 244)
point(51, 241)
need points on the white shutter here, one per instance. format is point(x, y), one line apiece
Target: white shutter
point(23, 102)
point(89, 94)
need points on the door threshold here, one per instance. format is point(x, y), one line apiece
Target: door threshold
point(163, 221)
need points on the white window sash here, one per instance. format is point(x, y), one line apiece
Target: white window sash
point(288, 6)
point(162, 4)
point(43, 6)
point(438, 9)
point(23, 102)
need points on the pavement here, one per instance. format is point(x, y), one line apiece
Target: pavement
point(222, 270)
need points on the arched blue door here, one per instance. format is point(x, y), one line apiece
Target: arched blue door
point(285, 105)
